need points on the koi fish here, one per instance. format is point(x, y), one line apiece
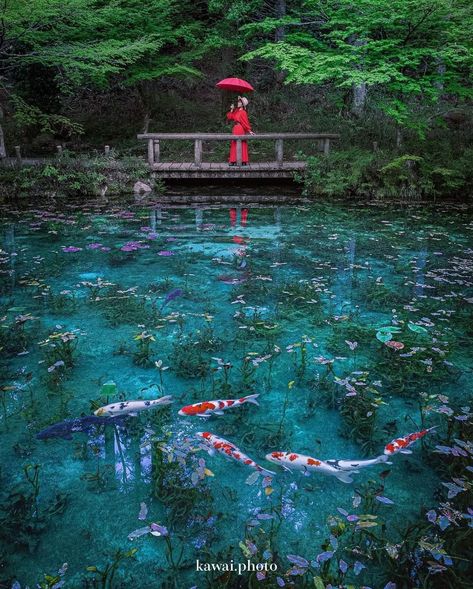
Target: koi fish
point(131, 407)
point(208, 408)
point(402, 444)
point(340, 469)
point(65, 429)
point(215, 444)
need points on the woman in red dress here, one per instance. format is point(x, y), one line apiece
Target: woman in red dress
point(241, 127)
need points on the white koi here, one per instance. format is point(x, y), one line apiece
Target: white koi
point(340, 469)
point(131, 407)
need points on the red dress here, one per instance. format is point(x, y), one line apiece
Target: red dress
point(242, 127)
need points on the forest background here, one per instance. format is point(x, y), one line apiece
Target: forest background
point(393, 77)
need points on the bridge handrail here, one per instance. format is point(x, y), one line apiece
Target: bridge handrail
point(155, 138)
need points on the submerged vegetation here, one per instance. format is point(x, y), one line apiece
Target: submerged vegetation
point(345, 348)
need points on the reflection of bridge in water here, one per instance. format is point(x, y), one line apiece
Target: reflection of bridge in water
point(237, 218)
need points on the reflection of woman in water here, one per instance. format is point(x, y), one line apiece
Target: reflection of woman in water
point(241, 127)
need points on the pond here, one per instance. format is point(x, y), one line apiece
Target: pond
point(352, 324)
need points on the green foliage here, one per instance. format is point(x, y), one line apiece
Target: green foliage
point(405, 50)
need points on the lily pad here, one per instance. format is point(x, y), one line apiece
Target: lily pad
point(384, 336)
point(417, 328)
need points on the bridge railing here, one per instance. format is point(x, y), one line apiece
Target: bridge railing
point(154, 140)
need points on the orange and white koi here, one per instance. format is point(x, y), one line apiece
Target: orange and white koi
point(402, 444)
point(215, 444)
point(340, 469)
point(208, 408)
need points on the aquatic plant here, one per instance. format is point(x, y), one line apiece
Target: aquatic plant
point(144, 351)
point(106, 575)
point(188, 357)
point(358, 408)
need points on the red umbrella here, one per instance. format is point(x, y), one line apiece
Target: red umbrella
point(234, 85)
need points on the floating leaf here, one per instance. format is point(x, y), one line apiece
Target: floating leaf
point(417, 328)
point(158, 530)
point(261, 575)
point(143, 511)
point(443, 522)
point(297, 560)
point(343, 566)
point(139, 532)
point(245, 550)
point(109, 389)
point(282, 583)
point(268, 490)
point(358, 567)
point(208, 472)
point(432, 516)
point(251, 480)
point(264, 516)
point(324, 556)
point(390, 585)
point(384, 500)
point(384, 336)
point(365, 524)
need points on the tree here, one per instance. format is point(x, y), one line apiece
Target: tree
point(92, 43)
point(391, 46)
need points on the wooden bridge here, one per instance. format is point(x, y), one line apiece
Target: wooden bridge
point(278, 168)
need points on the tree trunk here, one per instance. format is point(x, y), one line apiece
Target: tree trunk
point(3, 151)
point(359, 91)
point(359, 98)
point(280, 10)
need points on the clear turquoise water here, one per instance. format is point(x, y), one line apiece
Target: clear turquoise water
point(315, 276)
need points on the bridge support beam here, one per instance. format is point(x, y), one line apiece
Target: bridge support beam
point(279, 152)
point(198, 152)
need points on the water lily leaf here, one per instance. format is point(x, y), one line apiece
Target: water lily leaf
point(251, 480)
point(389, 329)
point(417, 328)
point(384, 500)
point(297, 560)
point(245, 550)
point(366, 524)
point(109, 389)
point(384, 336)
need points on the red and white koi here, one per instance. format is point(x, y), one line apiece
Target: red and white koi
point(340, 469)
point(131, 407)
point(215, 444)
point(402, 444)
point(208, 408)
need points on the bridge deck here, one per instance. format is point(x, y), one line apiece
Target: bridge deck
point(224, 170)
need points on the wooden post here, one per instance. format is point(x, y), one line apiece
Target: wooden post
point(18, 155)
point(326, 146)
point(59, 150)
point(150, 152)
point(156, 151)
point(279, 152)
point(239, 152)
point(198, 152)
point(107, 150)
